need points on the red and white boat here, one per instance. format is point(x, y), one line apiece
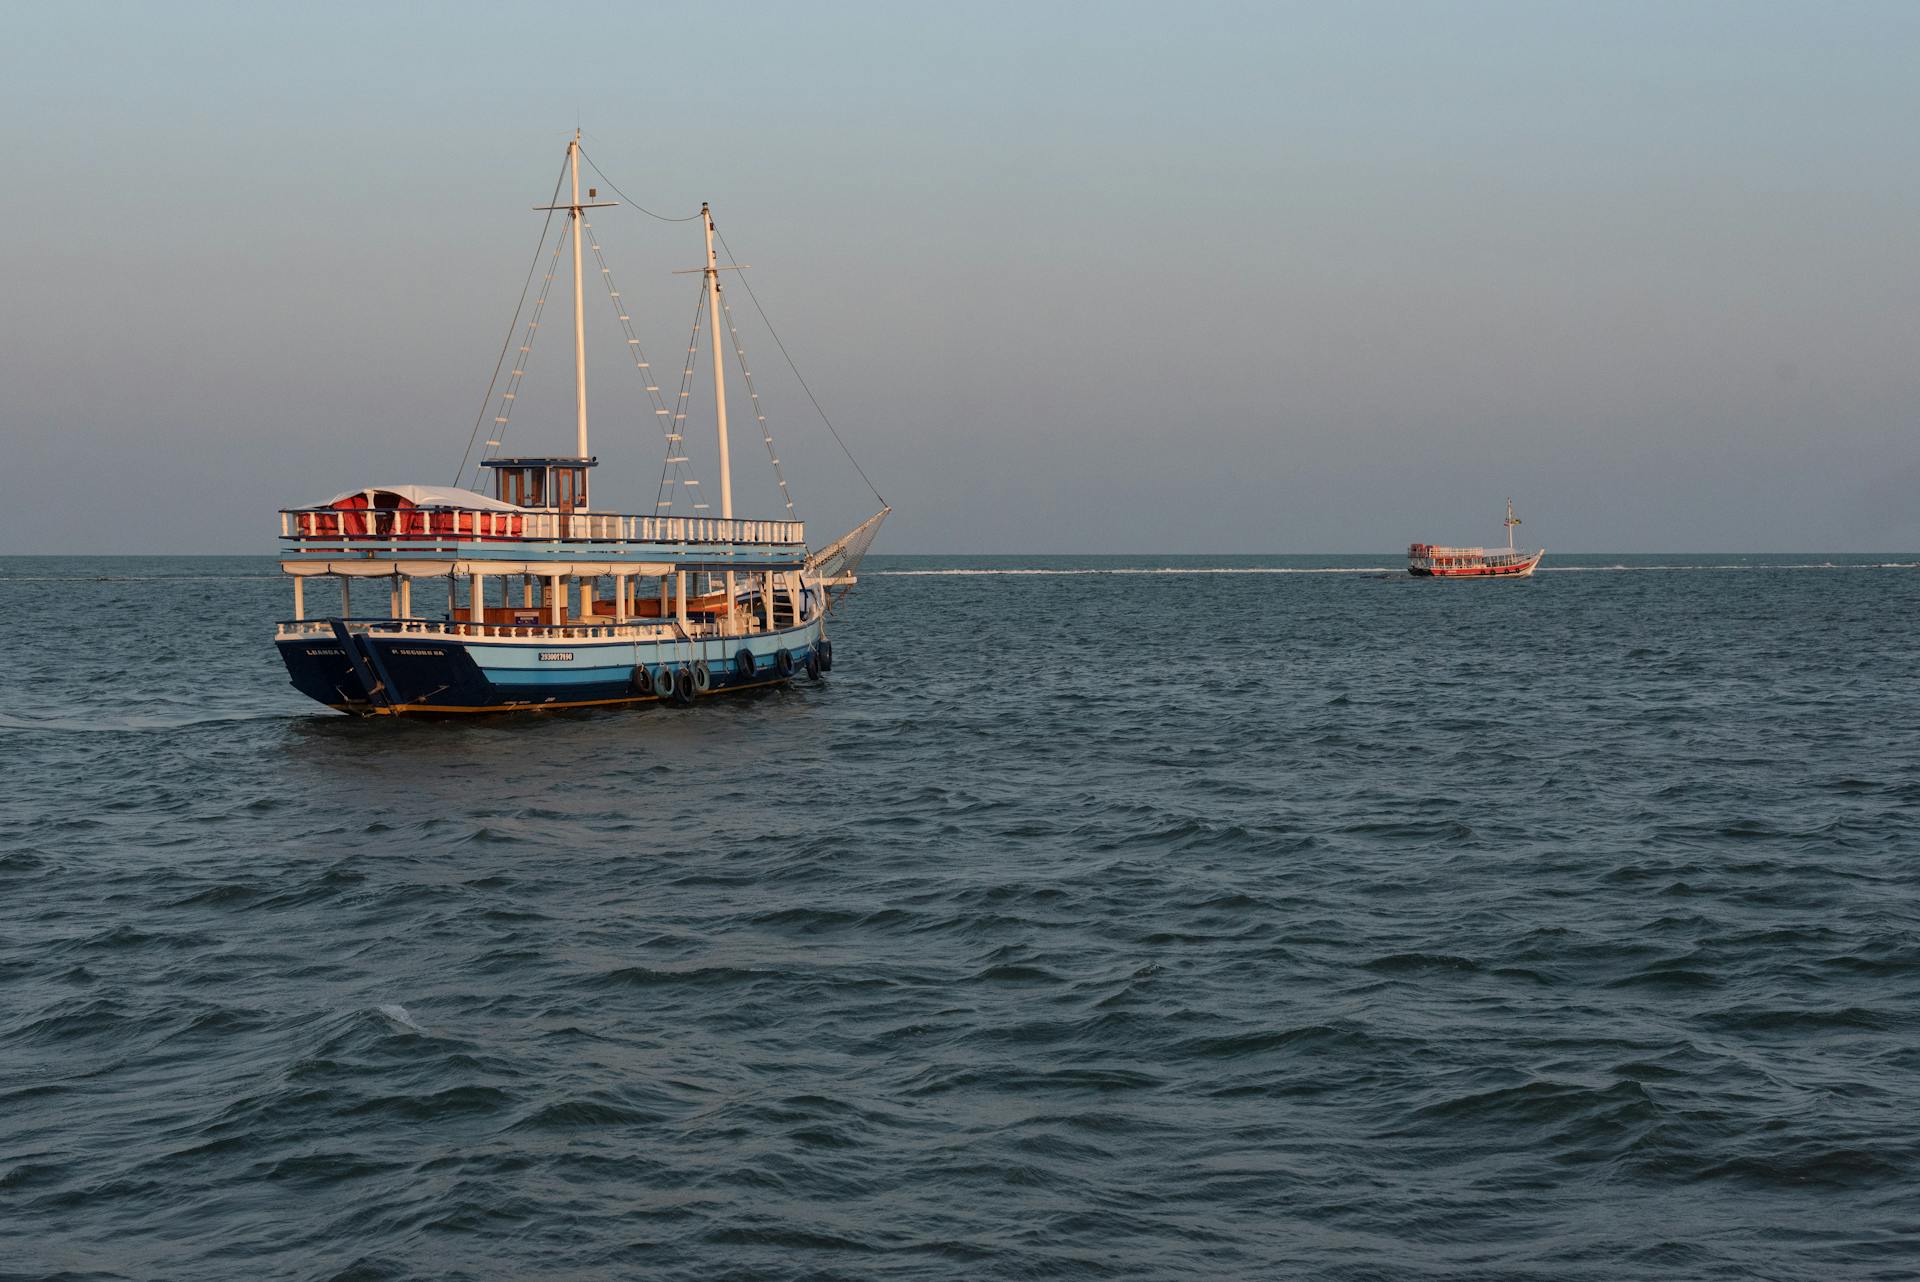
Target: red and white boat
point(1431, 561)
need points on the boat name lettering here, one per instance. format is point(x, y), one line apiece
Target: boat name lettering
point(556, 656)
point(313, 651)
point(422, 654)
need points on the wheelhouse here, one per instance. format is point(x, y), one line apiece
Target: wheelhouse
point(559, 484)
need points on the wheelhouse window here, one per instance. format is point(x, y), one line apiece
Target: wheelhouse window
point(541, 482)
point(523, 486)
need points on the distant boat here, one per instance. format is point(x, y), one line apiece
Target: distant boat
point(1431, 561)
point(566, 605)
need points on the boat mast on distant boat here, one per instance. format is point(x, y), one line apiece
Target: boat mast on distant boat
point(566, 605)
point(1430, 561)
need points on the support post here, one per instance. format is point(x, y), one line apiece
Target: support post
point(477, 601)
point(406, 597)
point(346, 597)
point(680, 597)
point(619, 598)
point(299, 599)
point(766, 592)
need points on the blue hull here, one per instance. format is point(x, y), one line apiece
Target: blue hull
point(430, 674)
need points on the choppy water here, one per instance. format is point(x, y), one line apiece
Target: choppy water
point(1086, 923)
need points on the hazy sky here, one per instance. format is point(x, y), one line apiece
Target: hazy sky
point(1133, 278)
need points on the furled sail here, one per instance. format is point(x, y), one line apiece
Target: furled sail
point(836, 567)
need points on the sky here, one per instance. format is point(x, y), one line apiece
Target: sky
point(1268, 278)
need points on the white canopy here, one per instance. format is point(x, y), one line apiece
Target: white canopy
point(430, 496)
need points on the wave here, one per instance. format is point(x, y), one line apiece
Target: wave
point(398, 1014)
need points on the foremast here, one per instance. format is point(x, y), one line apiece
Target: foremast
point(714, 318)
point(714, 315)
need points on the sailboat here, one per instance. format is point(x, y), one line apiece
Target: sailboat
point(529, 597)
point(1430, 561)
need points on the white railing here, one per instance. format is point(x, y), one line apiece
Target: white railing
point(609, 631)
point(414, 525)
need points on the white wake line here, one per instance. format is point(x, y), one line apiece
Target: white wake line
point(137, 578)
point(1380, 569)
point(1810, 565)
point(128, 725)
point(1224, 569)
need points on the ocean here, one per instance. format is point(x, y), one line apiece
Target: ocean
point(1129, 917)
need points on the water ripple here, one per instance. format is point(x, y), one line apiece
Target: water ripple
point(1368, 929)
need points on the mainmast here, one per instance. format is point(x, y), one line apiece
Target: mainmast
point(579, 309)
point(576, 215)
point(1512, 521)
point(714, 318)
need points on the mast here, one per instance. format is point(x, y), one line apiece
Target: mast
point(1511, 522)
point(576, 215)
point(579, 310)
point(719, 368)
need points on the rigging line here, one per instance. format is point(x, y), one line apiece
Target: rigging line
point(630, 200)
point(759, 415)
point(683, 399)
point(670, 472)
point(513, 327)
point(641, 364)
point(796, 372)
point(684, 409)
point(517, 375)
point(680, 401)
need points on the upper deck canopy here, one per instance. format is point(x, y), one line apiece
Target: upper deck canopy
point(377, 496)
